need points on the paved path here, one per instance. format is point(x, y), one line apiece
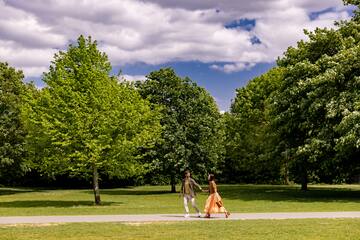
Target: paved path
point(172, 217)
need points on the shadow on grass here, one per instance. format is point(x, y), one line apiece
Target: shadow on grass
point(274, 193)
point(11, 191)
point(125, 191)
point(57, 204)
point(288, 193)
point(264, 192)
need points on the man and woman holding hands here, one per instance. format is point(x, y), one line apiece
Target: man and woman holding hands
point(214, 203)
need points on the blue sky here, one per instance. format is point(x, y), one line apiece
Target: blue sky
point(219, 44)
point(220, 85)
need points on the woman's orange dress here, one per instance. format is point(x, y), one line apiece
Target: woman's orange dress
point(214, 202)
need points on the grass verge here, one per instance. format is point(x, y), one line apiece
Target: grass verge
point(314, 229)
point(157, 199)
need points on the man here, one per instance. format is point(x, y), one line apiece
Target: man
point(188, 192)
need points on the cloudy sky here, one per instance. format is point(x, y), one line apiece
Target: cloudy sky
point(220, 44)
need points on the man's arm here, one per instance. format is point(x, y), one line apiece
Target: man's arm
point(197, 185)
point(182, 187)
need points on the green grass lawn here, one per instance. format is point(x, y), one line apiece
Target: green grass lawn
point(157, 199)
point(311, 229)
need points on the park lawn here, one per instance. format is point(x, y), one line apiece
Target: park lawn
point(314, 229)
point(158, 199)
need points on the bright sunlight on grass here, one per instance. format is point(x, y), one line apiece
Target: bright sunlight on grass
point(314, 229)
point(158, 199)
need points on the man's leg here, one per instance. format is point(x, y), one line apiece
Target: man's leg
point(193, 203)
point(186, 200)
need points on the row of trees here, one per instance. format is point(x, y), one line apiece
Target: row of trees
point(87, 124)
point(297, 122)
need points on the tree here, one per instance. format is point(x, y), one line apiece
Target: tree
point(303, 115)
point(316, 109)
point(86, 123)
point(192, 135)
point(352, 2)
point(250, 141)
point(12, 132)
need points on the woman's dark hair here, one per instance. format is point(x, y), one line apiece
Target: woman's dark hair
point(211, 177)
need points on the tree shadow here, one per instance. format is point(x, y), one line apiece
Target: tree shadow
point(131, 191)
point(289, 193)
point(12, 191)
point(57, 204)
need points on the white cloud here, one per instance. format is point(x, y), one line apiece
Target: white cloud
point(34, 71)
point(158, 31)
point(233, 67)
point(132, 78)
point(33, 61)
point(26, 30)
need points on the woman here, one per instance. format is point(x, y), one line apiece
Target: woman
point(214, 202)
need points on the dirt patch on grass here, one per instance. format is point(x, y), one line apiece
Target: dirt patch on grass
point(137, 224)
point(31, 225)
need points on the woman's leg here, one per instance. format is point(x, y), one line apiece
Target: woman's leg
point(227, 214)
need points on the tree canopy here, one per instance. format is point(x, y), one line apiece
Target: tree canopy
point(316, 108)
point(301, 117)
point(84, 122)
point(192, 135)
point(12, 132)
point(249, 139)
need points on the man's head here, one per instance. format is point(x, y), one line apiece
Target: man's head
point(187, 174)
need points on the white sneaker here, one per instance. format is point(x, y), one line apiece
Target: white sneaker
point(187, 215)
point(199, 215)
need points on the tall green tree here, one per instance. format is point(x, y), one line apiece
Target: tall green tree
point(316, 109)
point(192, 132)
point(250, 140)
point(12, 131)
point(86, 123)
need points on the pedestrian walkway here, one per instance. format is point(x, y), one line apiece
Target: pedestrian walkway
point(172, 217)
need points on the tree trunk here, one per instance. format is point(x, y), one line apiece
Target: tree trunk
point(96, 186)
point(286, 166)
point(286, 173)
point(304, 180)
point(173, 183)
